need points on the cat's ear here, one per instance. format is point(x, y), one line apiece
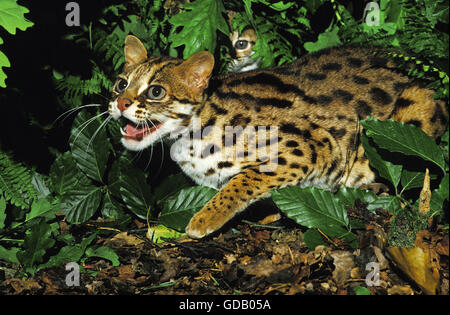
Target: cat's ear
point(196, 71)
point(135, 51)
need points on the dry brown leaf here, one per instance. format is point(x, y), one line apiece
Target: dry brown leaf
point(400, 290)
point(21, 285)
point(343, 262)
point(418, 265)
point(124, 239)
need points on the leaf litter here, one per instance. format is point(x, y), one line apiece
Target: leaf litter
point(252, 259)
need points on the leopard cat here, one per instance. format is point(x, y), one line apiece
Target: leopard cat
point(248, 133)
point(242, 51)
point(242, 44)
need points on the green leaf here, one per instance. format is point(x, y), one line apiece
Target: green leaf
point(35, 245)
point(81, 201)
point(177, 211)
point(103, 252)
point(4, 62)
point(111, 208)
point(315, 208)
point(2, 211)
point(135, 191)
point(348, 195)
point(64, 173)
point(69, 253)
point(170, 186)
point(325, 40)
point(12, 16)
point(40, 207)
point(361, 290)
point(404, 138)
point(9, 254)
point(155, 233)
point(385, 168)
point(313, 238)
point(39, 182)
point(389, 203)
point(200, 21)
point(412, 180)
point(438, 196)
point(89, 144)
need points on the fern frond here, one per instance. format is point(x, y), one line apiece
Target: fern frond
point(16, 182)
point(74, 87)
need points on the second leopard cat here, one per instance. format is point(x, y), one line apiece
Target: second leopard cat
point(306, 114)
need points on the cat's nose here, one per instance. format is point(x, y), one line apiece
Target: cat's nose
point(123, 103)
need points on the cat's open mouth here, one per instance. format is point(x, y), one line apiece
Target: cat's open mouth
point(138, 132)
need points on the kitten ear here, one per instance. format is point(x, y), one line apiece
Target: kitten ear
point(196, 71)
point(135, 51)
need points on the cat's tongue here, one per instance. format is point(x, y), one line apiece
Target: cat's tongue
point(137, 133)
point(134, 132)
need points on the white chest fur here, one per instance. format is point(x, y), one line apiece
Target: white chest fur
point(201, 161)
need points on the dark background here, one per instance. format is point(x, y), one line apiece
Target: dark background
point(29, 104)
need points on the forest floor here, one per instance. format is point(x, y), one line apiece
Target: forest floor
point(252, 260)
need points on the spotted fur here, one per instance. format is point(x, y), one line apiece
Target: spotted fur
point(248, 133)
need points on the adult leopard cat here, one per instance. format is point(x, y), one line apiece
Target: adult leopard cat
point(308, 114)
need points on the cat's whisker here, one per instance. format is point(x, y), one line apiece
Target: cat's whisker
point(86, 123)
point(162, 150)
point(103, 124)
point(73, 110)
point(151, 148)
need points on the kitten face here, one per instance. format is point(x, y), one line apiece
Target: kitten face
point(156, 97)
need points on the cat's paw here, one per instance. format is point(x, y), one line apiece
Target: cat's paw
point(199, 226)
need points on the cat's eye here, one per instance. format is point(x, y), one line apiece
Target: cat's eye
point(156, 92)
point(241, 44)
point(121, 85)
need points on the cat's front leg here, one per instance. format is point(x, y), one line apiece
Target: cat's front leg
point(243, 189)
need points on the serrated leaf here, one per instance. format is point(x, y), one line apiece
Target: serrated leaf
point(200, 21)
point(177, 211)
point(4, 62)
point(81, 202)
point(90, 147)
point(404, 138)
point(385, 168)
point(12, 16)
point(325, 40)
point(315, 208)
point(35, 245)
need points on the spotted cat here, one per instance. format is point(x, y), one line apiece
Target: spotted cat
point(242, 51)
point(248, 133)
